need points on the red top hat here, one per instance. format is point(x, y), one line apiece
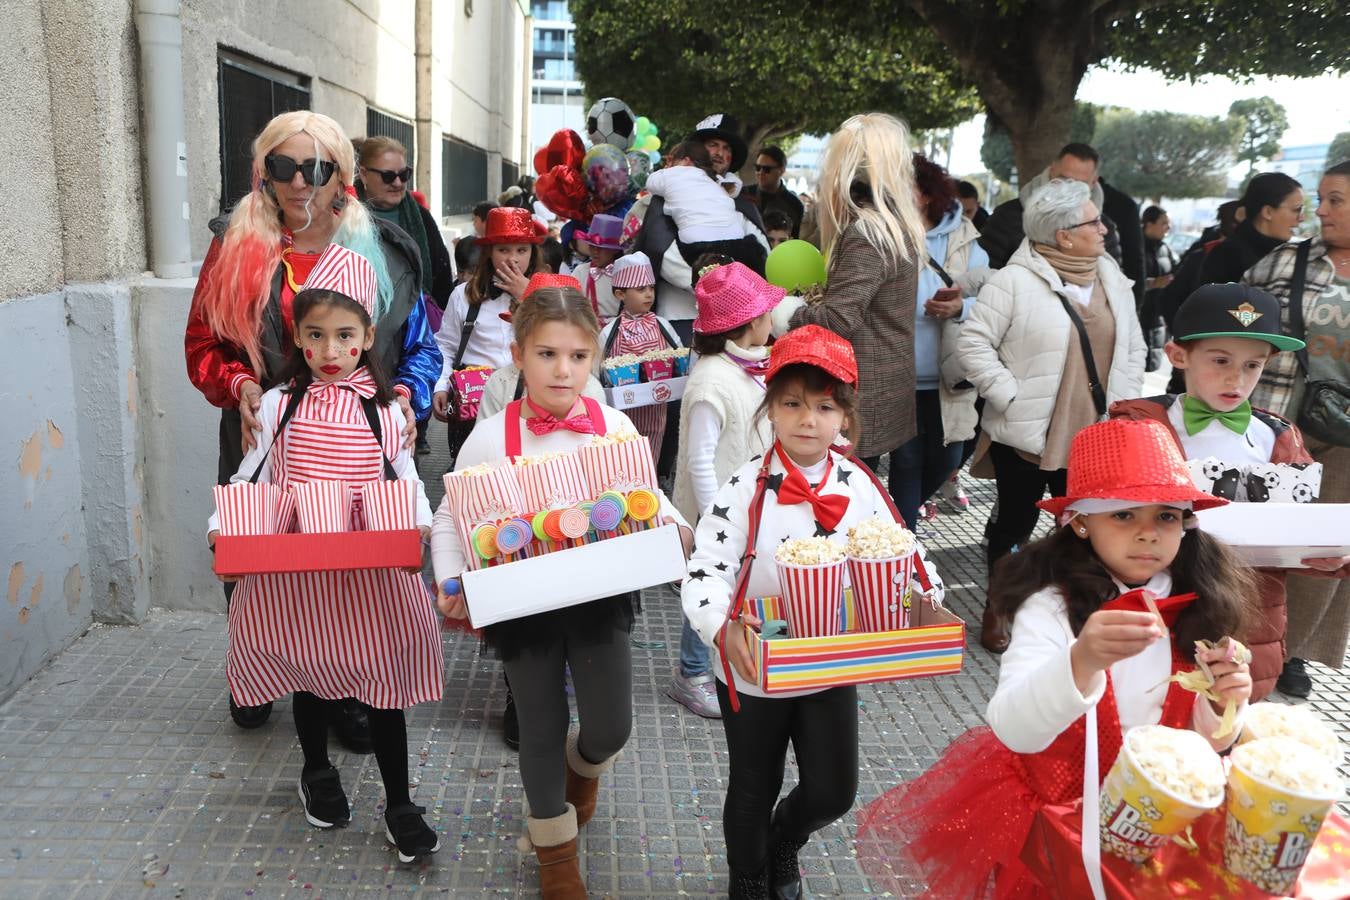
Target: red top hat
point(512, 225)
point(814, 346)
point(1127, 459)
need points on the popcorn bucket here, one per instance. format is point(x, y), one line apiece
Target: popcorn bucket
point(658, 369)
point(1138, 813)
point(682, 363)
point(881, 591)
point(467, 386)
point(389, 505)
point(246, 509)
point(323, 507)
point(285, 515)
point(553, 484)
point(620, 375)
point(1272, 827)
point(811, 598)
point(1266, 720)
point(621, 466)
point(484, 493)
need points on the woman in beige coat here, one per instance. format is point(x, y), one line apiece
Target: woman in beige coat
point(1024, 352)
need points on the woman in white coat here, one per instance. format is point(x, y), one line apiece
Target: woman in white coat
point(1052, 341)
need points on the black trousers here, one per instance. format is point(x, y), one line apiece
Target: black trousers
point(823, 731)
point(1020, 485)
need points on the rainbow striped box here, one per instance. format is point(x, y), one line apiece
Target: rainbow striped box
point(935, 645)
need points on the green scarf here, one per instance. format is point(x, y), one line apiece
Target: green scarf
point(409, 218)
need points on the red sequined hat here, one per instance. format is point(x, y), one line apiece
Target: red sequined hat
point(814, 346)
point(1128, 459)
point(544, 280)
point(512, 225)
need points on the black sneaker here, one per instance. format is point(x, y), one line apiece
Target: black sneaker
point(1294, 680)
point(510, 723)
point(405, 828)
point(324, 800)
point(250, 716)
point(352, 726)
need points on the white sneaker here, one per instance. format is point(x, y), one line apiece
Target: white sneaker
point(698, 694)
point(952, 496)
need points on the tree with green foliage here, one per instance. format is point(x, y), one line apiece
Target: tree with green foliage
point(997, 150)
point(1264, 122)
point(1339, 151)
point(1027, 57)
point(780, 70)
point(1156, 154)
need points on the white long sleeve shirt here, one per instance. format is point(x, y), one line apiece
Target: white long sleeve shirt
point(489, 342)
point(1037, 698)
point(700, 206)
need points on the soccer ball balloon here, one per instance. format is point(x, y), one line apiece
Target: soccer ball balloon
point(610, 121)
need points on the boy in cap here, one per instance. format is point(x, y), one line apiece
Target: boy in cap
point(1224, 333)
point(636, 330)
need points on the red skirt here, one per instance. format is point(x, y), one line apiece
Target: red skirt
point(957, 830)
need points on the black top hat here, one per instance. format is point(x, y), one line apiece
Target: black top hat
point(721, 125)
point(1232, 310)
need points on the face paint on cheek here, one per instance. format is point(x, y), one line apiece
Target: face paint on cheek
point(309, 354)
point(355, 352)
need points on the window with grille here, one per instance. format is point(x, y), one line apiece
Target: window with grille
point(251, 93)
point(464, 170)
point(401, 130)
point(510, 173)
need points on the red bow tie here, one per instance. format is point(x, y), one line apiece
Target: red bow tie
point(544, 423)
point(828, 509)
point(1168, 607)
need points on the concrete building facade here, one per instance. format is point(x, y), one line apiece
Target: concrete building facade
point(108, 454)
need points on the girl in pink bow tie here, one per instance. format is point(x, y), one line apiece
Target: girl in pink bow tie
point(555, 346)
point(326, 637)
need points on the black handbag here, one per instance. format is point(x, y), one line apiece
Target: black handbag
point(1324, 412)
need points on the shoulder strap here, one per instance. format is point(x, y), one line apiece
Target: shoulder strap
point(1094, 382)
point(520, 386)
point(613, 336)
point(292, 404)
point(596, 414)
point(667, 333)
point(743, 576)
point(1296, 283)
point(942, 273)
point(373, 418)
point(465, 332)
point(512, 425)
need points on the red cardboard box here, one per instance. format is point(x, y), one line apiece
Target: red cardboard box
point(265, 554)
point(1053, 852)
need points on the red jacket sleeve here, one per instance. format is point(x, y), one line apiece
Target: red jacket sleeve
point(214, 367)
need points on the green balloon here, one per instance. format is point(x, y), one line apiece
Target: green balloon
point(795, 266)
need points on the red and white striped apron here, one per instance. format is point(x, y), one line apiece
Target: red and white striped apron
point(637, 335)
point(372, 634)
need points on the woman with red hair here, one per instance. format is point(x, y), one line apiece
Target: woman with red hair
point(239, 329)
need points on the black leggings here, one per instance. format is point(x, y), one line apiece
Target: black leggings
point(388, 734)
point(1020, 485)
point(823, 730)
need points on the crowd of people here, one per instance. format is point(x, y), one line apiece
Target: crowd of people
point(331, 323)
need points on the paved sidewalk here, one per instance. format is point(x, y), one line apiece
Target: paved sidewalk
point(121, 775)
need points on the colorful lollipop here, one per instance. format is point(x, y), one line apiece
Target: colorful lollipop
point(513, 536)
point(551, 525)
point(574, 522)
point(485, 540)
point(643, 505)
point(538, 525)
point(607, 512)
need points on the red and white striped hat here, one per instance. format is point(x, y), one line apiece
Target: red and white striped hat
point(633, 271)
point(344, 272)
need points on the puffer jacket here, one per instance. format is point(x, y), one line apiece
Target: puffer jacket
point(1014, 346)
point(957, 403)
point(1002, 233)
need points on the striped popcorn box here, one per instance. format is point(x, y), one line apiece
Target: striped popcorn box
point(484, 493)
point(619, 466)
point(389, 505)
point(245, 509)
point(881, 591)
point(323, 506)
point(284, 523)
point(811, 598)
point(553, 484)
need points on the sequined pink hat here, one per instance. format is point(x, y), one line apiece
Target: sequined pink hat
point(730, 296)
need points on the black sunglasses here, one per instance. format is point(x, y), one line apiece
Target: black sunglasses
point(314, 171)
point(759, 168)
point(404, 174)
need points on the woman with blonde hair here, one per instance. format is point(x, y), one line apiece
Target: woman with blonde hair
point(240, 325)
point(872, 232)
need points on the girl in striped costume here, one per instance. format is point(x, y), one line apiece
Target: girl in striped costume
point(370, 635)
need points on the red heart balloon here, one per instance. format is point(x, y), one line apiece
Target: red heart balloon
point(564, 149)
point(563, 190)
point(541, 161)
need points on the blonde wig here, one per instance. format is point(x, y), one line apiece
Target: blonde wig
point(870, 157)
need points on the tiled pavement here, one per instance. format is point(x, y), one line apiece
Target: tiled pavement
point(121, 776)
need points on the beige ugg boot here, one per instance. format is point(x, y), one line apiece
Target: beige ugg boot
point(555, 845)
point(583, 779)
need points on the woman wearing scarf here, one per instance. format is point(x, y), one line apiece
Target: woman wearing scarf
point(1059, 303)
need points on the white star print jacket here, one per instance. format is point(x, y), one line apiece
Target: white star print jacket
point(719, 542)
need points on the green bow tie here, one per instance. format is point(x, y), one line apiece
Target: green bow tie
point(1196, 414)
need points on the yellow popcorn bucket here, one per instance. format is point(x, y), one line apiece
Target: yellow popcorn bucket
point(1139, 815)
point(1271, 828)
point(1266, 720)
